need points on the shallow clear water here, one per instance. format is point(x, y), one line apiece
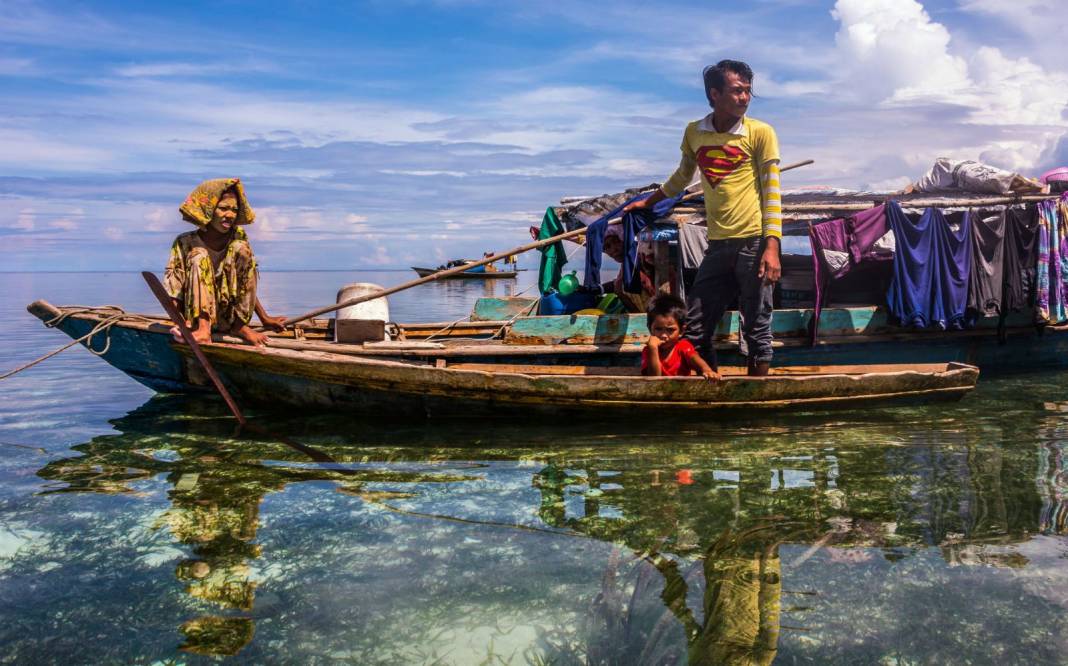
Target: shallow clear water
point(137, 529)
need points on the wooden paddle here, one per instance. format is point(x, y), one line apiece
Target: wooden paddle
point(168, 306)
point(460, 269)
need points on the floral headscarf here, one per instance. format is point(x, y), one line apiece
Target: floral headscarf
point(199, 206)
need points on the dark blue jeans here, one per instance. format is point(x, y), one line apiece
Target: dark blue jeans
point(728, 271)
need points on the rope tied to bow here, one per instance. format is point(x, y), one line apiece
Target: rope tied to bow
point(112, 314)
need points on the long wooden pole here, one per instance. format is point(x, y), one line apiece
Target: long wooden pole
point(465, 267)
point(436, 276)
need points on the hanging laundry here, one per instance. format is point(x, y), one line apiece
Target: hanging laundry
point(1042, 267)
point(1056, 262)
point(988, 262)
point(931, 268)
point(830, 249)
point(553, 257)
point(633, 222)
point(693, 243)
point(595, 233)
point(840, 244)
point(1061, 211)
point(1021, 259)
point(1060, 274)
point(870, 238)
point(1052, 271)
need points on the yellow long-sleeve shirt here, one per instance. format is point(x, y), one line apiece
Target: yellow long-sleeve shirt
point(739, 175)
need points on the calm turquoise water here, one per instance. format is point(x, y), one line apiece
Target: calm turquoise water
point(142, 529)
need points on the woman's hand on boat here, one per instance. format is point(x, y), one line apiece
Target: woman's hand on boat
point(276, 324)
point(710, 375)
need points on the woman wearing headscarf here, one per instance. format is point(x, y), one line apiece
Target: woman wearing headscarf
point(212, 271)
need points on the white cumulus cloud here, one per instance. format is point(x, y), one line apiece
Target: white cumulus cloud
point(892, 48)
point(894, 54)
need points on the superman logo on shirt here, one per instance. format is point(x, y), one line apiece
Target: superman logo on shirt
point(718, 162)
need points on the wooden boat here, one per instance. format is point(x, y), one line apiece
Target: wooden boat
point(466, 378)
point(489, 272)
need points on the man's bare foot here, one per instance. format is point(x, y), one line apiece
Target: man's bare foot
point(251, 336)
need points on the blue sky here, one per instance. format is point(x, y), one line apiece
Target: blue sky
point(386, 134)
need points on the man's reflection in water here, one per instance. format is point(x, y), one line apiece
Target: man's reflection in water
point(736, 621)
point(742, 601)
point(725, 607)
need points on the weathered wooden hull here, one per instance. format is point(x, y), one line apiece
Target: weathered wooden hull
point(485, 275)
point(371, 385)
point(304, 377)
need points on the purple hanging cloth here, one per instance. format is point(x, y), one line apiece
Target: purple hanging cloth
point(830, 260)
point(1059, 215)
point(840, 244)
point(868, 240)
point(931, 269)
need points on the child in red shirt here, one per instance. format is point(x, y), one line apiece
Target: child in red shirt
point(668, 354)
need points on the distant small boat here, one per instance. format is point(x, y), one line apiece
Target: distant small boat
point(486, 272)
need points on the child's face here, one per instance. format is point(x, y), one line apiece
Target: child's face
point(666, 327)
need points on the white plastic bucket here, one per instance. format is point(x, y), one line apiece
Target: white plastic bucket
point(375, 309)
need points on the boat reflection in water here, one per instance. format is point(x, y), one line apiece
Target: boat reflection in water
point(726, 546)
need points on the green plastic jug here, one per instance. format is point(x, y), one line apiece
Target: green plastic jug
point(568, 284)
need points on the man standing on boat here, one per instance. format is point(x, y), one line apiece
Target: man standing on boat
point(738, 158)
